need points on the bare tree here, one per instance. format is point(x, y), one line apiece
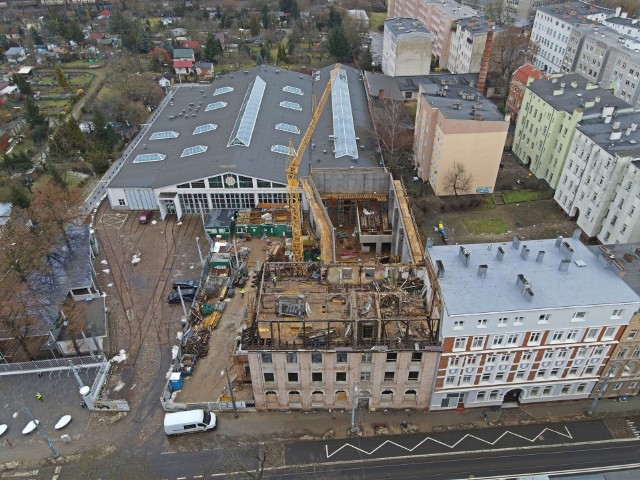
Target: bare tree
point(392, 128)
point(53, 208)
point(17, 318)
point(24, 246)
point(74, 314)
point(511, 50)
point(457, 180)
point(497, 12)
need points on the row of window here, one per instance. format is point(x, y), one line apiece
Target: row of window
point(535, 338)
point(341, 357)
point(340, 396)
point(231, 181)
point(203, 202)
point(340, 377)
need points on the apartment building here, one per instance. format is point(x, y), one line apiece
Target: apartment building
point(406, 47)
point(468, 44)
point(526, 321)
point(621, 375)
point(438, 17)
point(457, 126)
point(551, 109)
point(624, 25)
point(608, 58)
point(553, 26)
point(518, 84)
point(524, 11)
point(599, 185)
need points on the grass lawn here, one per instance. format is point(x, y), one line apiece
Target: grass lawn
point(81, 64)
point(480, 226)
point(375, 19)
point(103, 93)
point(45, 80)
point(487, 203)
point(520, 196)
point(82, 80)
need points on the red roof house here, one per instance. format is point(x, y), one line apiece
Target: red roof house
point(183, 66)
point(519, 81)
point(190, 44)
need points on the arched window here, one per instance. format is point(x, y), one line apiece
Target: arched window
point(410, 395)
point(341, 396)
point(294, 397)
point(386, 396)
point(317, 398)
point(271, 396)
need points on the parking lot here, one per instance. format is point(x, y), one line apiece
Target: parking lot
point(60, 396)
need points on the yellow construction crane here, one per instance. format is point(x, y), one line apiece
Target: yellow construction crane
point(293, 163)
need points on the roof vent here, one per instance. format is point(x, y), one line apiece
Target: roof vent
point(440, 266)
point(524, 253)
point(540, 256)
point(516, 241)
point(522, 282)
point(500, 253)
point(564, 265)
point(482, 270)
point(559, 240)
point(566, 250)
point(464, 255)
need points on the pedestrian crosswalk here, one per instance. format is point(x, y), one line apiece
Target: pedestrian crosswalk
point(634, 428)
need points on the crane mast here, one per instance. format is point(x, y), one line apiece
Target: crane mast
point(293, 164)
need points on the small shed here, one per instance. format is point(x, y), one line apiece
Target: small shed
point(219, 223)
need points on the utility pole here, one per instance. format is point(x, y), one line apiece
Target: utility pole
point(233, 397)
point(199, 251)
point(353, 408)
point(599, 393)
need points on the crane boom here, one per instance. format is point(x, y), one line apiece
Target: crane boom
point(293, 192)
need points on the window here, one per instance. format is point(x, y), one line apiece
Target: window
point(392, 357)
point(617, 313)
point(557, 336)
point(283, 150)
point(367, 357)
point(215, 106)
point(632, 334)
point(548, 355)
point(544, 318)
point(535, 392)
point(341, 357)
point(563, 353)
point(413, 376)
point(294, 90)
point(365, 376)
point(579, 316)
point(221, 90)
point(416, 356)
point(389, 376)
point(592, 334)
point(316, 357)
point(491, 359)
point(572, 335)
point(459, 343)
point(261, 184)
point(518, 321)
point(341, 376)
point(609, 333)
point(450, 380)
point(268, 377)
point(513, 339)
point(546, 391)
point(316, 376)
point(290, 105)
point(480, 397)
point(494, 394)
point(122, 202)
point(215, 182)
point(163, 135)
point(498, 340)
point(581, 388)
point(292, 377)
point(502, 322)
point(149, 157)
point(554, 372)
point(187, 152)
point(617, 386)
point(292, 357)
point(534, 338)
point(477, 342)
point(466, 379)
point(266, 357)
point(499, 377)
point(454, 361)
point(458, 324)
point(520, 375)
point(285, 127)
point(482, 323)
point(526, 356)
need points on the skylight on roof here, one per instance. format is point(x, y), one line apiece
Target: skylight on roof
point(295, 90)
point(221, 90)
point(204, 128)
point(248, 114)
point(215, 106)
point(343, 129)
point(163, 135)
point(283, 150)
point(285, 127)
point(149, 157)
point(291, 105)
point(187, 152)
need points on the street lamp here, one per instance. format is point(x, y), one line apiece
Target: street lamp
point(233, 398)
point(354, 389)
point(42, 434)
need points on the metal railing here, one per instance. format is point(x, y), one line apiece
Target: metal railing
point(39, 366)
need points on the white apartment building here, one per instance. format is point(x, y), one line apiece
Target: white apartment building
point(599, 185)
point(527, 321)
point(468, 44)
point(406, 47)
point(624, 25)
point(552, 28)
point(608, 58)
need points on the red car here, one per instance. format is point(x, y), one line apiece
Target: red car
point(145, 217)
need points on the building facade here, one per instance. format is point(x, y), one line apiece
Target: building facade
point(553, 26)
point(468, 44)
point(624, 25)
point(457, 128)
point(406, 47)
point(517, 86)
point(546, 336)
point(603, 154)
point(551, 109)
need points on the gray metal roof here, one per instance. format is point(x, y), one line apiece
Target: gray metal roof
point(601, 133)
point(573, 97)
point(256, 160)
point(389, 85)
point(466, 293)
point(412, 82)
point(574, 12)
point(477, 25)
point(402, 26)
point(219, 217)
point(182, 53)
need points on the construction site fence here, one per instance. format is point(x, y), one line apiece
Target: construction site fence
point(89, 361)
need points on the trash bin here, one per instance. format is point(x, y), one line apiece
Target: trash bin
point(175, 381)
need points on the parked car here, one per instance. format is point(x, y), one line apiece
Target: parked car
point(145, 217)
point(188, 294)
point(185, 283)
point(189, 421)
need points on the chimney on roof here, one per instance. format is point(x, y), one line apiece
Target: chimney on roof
point(484, 62)
point(566, 250)
point(524, 253)
point(500, 253)
point(464, 255)
point(576, 234)
point(516, 241)
point(564, 265)
point(540, 256)
point(381, 93)
point(482, 270)
point(559, 240)
point(440, 267)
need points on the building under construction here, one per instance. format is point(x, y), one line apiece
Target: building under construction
point(358, 320)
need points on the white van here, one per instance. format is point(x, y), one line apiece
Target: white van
point(189, 421)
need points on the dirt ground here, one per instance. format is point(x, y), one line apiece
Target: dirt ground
point(143, 324)
point(531, 220)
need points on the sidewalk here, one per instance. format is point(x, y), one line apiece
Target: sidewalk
point(314, 425)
